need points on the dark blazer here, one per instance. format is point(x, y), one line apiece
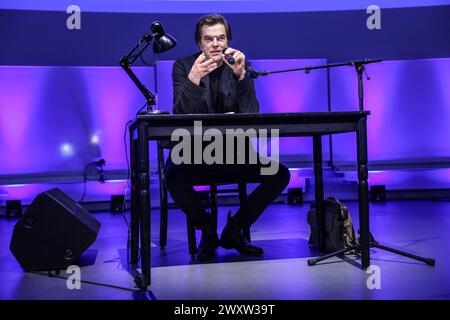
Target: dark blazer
point(239, 96)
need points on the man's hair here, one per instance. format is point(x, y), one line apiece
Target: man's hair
point(210, 20)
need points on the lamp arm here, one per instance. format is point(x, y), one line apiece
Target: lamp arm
point(126, 63)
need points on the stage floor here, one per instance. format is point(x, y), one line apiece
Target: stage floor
point(419, 227)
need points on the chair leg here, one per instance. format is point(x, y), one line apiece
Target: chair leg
point(242, 193)
point(214, 210)
point(192, 241)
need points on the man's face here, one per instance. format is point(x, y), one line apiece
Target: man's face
point(213, 40)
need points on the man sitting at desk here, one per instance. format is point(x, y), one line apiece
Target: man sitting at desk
point(206, 82)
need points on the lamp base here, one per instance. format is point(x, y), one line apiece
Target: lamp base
point(156, 111)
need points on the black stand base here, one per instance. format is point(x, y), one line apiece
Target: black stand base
point(374, 244)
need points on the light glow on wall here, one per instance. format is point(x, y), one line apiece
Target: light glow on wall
point(58, 119)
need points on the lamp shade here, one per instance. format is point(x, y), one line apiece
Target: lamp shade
point(163, 44)
point(162, 41)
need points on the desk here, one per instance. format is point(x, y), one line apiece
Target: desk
point(148, 127)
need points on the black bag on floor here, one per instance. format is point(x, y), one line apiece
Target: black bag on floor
point(339, 231)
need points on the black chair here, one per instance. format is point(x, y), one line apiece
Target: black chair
point(213, 191)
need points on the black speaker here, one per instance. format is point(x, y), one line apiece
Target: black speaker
point(53, 232)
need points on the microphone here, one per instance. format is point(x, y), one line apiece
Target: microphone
point(365, 61)
point(101, 177)
point(100, 162)
point(229, 57)
point(251, 72)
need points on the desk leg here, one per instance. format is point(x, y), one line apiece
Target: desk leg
point(144, 201)
point(318, 174)
point(162, 198)
point(363, 193)
point(134, 200)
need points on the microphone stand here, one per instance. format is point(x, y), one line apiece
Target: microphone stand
point(358, 64)
point(366, 236)
point(126, 63)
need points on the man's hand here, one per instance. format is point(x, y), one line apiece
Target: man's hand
point(201, 68)
point(239, 66)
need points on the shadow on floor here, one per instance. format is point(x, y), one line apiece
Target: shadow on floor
point(176, 253)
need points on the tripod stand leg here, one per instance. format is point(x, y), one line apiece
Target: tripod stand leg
point(313, 261)
point(428, 261)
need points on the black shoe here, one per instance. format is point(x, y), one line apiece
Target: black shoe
point(233, 238)
point(208, 244)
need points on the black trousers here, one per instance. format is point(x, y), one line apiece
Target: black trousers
point(181, 179)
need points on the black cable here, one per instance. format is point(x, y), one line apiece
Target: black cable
point(123, 211)
point(99, 164)
point(142, 59)
point(159, 54)
point(154, 61)
point(150, 65)
point(139, 53)
point(85, 180)
point(84, 186)
point(138, 48)
point(141, 107)
point(126, 187)
point(127, 184)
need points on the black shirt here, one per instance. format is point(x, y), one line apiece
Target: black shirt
point(215, 84)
